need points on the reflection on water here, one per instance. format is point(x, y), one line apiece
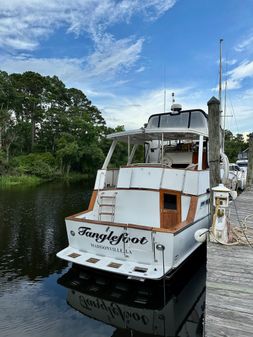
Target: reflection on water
point(33, 303)
point(140, 309)
point(32, 228)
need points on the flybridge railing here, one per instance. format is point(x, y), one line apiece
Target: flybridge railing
point(148, 177)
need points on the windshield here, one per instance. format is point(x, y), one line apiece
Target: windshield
point(185, 119)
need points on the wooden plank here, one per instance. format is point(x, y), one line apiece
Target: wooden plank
point(229, 294)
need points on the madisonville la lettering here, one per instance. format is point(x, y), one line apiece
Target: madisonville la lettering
point(110, 237)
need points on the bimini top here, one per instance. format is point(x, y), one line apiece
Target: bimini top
point(188, 124)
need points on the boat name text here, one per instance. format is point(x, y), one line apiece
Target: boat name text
point(113, 239)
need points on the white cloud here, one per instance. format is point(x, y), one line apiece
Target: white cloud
point(239, 73)
point(140, 70)
point(25, 23)
point(236, 75)
point(66, 69)
point(230, 62)
point(112, 56)
point(246, 43)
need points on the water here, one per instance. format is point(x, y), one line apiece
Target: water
point(41, 295)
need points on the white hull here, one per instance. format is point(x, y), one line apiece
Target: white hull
point(103, 247)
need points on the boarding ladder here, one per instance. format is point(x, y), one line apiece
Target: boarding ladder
point(107, 204)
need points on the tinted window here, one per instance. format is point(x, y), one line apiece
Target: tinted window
point(153, 122)
point(198, 120)
point(175, 121)
point(170, 201)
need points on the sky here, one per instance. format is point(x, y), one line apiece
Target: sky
point(125, 54)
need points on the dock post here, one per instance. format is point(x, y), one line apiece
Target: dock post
point(214, 146)
point(250, 162)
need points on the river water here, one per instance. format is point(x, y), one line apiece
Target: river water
point(41, 295)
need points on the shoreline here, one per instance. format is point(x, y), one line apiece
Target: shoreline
point(32, 180)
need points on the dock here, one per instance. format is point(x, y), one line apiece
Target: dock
point(229, 287)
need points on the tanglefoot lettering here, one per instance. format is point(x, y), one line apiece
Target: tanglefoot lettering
point(113, 239)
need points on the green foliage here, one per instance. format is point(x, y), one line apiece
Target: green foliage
point(38, 115)
point(42, 165)
point(234, 145)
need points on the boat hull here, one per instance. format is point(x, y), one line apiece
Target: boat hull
point(133, 252)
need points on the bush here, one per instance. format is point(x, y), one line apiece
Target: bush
point(42, 165)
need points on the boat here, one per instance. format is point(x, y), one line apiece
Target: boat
point(137, 309)
point(243, 164)
point(143, 216)
point(240, 175)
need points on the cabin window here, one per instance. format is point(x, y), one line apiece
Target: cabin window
point(153, 122)
point(170, 201)
point(174, 121)
point(198, 120)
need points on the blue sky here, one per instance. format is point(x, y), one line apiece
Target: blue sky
point(123, 54)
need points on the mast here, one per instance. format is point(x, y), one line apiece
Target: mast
point(220, 96)
point(220, 73)
point(164, 92)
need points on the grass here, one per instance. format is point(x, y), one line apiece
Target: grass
point(6, 181)
point(31, 180)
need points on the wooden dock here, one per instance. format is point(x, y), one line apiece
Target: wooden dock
point(229, 293)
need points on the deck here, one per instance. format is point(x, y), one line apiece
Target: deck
point(229, 293)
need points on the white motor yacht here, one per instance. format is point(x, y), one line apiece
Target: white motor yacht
point(142, 217)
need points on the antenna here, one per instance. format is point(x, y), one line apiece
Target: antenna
point(175, 108)
point(172, 98)
point(220, 77)
point(164, 93)
point(220, 97)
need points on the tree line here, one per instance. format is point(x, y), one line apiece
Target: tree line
point(47, 129)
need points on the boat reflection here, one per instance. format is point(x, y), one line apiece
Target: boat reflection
point(140, 309)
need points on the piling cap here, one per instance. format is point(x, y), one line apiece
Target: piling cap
point(213, 100)
point(220, 188)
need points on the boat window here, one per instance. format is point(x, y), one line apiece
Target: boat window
point(170, 201)
point(174, 121)
point(198, 120)
point(153, 122)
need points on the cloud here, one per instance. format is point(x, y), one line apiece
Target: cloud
point(230, 62)
point(246, 43)
point(140, 70)
point(111, 57)
point(239, 73)
point(25, 23)
point(134, 111)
